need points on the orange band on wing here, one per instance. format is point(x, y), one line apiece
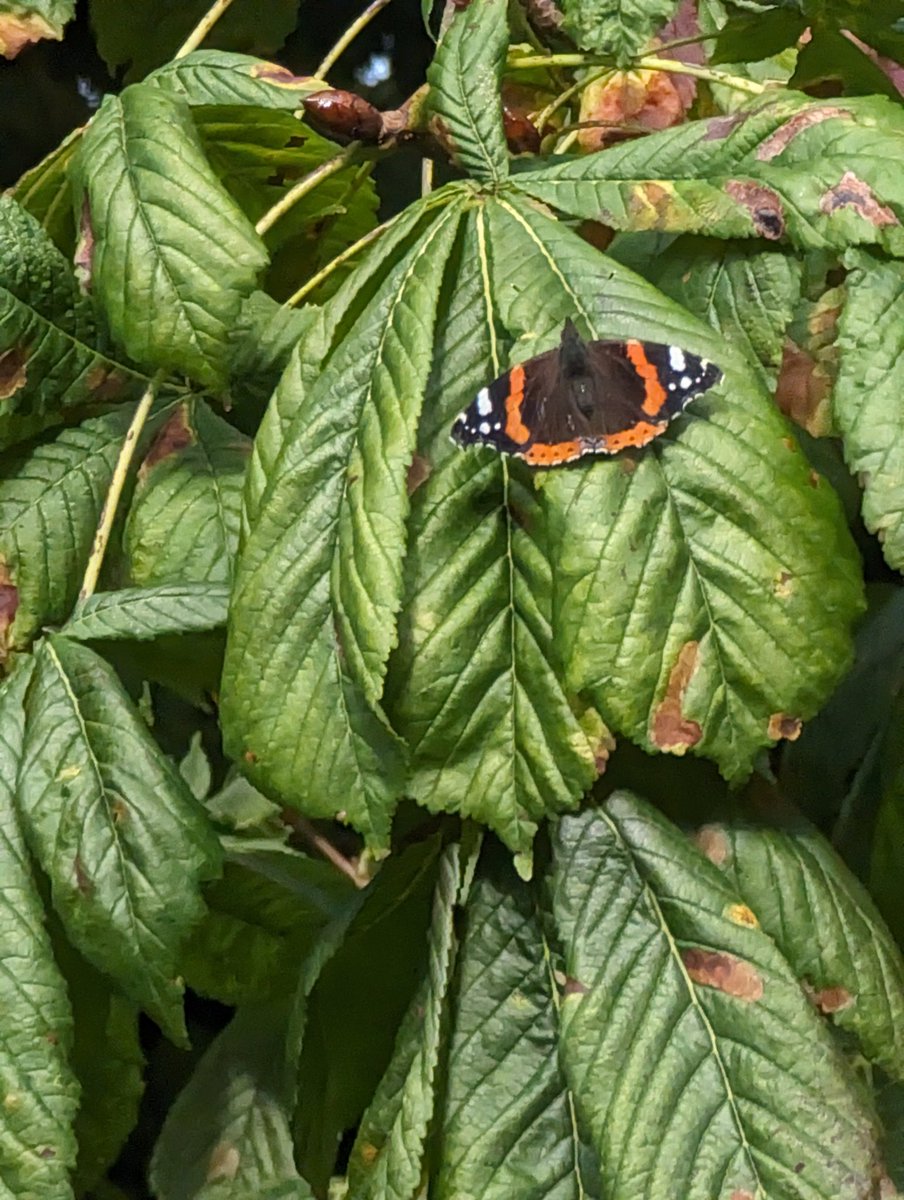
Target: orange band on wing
point(550, 455)
point(514, 426)
point(637, 435)
point(654, 393)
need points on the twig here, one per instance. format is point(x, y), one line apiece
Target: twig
point(349, 36)
point(203, 28)
point(303, 827)
point(542, 117)
point(649, 62)
point(305, 185)
point(114, 491)
point(686, 41)
point(646, 62)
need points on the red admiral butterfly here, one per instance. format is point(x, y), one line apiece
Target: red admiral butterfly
point(584, 398)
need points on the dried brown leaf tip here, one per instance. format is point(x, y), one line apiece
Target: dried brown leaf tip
point(733, 976)
point(418, 472)
point(853, 192)
point(781, 725)
point(670, 730)
point(642, 100)
point(763, 205)
point(809, 364)
point(17, 32)
point(280, 76)
point(175, 436)
point(13, 372)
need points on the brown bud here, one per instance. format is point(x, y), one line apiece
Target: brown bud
point(343, 116)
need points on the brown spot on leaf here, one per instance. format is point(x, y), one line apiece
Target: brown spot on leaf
point(83, 258)
point(803, 390)
point(175, 436)
point(778, 141)
point(670, 730)
point(742, 1194)
point(250, 757)
point(13, 374)
point(17, 32)
point(9, 603)
point(368, 1152)
point(763, 205)
point(418, 472)
point(852, 192)
point(223, 1162)
point(740, 914)
point(721, 127)
point(781, 725)
point(344, 116)
point(574, 987)
point(832, 999)
point(781, 585)
point(105, 383)
point(814, 479)
point(711, 841)
point(83, 880)
point(119, 811)
point(715, 969)
point(47, 1152)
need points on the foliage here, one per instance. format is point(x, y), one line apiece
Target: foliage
point(543, 828)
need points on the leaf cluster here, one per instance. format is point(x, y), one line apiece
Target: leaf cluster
point(518, 814)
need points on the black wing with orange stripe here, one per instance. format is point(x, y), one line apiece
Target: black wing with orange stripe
point(597, 397)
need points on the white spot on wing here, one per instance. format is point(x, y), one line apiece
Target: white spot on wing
point(484, 427)
point(685, 381)
point(676, 358)
point(484, 403)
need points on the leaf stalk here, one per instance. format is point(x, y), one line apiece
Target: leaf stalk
point(346, 39)
point(203, 28)
point(114, 492)
point(305, 185)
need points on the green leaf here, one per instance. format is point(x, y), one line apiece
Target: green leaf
point(819, 173)
point(703, 591)
point(107, 1059)
point(224, 77)
point(157, 28)
point(37, 1145)
point(265, 915)
point(748, 293)
point(475, 687)
point(794, 882)
point(51, 496)
point(139, 614)
point(698, 1065)
point(866, 398)
point(45, 192)
point(229, 1132)
point(194, 767)
point(751, 36)
point(50, 362)
point(829, 56)
point(24, 21)
point(319, 578)
point(113, 826)
point(386, 1161)
point(507, 1120)
point(183, 523)
point(464, 97)
point(616, 27)
point(358, 1005)
point(258, 154)
point(264, 337)
point(170, 256)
